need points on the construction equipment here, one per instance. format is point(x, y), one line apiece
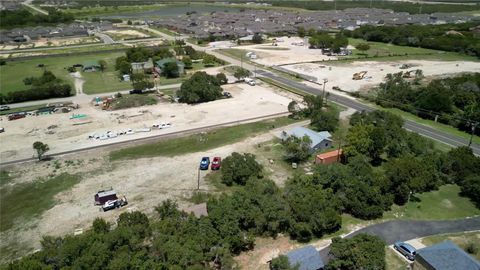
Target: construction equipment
point(359, 75)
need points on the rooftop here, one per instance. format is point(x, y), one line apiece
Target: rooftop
point(448, 256)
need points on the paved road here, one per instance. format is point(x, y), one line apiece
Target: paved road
point(404, 230)
point(28, 3)
point(106, 38)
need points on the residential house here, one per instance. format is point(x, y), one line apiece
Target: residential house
point(160, 64)
point(91, 66)
point(444, 256)
point(146, 66)
point(305, 258)
point(320, 140)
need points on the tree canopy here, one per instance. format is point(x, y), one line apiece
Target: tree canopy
point(238, 168)
point(201, 87)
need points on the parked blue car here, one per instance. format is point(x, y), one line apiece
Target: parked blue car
point(406, 250)
point(204, 163)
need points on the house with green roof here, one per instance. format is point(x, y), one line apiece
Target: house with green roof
point(91, 66)
point(160, 64)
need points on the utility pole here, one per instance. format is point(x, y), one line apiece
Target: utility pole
point(198, 180)
point(324, 83)
point(473, 132)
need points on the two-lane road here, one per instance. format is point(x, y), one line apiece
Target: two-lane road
point(423, 130)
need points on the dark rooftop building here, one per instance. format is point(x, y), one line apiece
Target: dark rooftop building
point(444, 256)
point(305, 258)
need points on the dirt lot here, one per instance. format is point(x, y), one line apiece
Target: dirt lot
point(285, 53)
point(52, 42)
point(340, 74)
point(62, 133)
point(146, 182)
point(125, 34)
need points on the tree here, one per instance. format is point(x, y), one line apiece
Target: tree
point(325, 120)
point(281, 263)
point(170, 70)
point(301, 31)
point(471, 188)
point(363, 251)
point(103, 65)
point(294, 109)
point(241, 73)
point(100, 226)
point(257, 38)
point(297, 149)
point(141, 81)
point(187, 61)
point(209, 60)
point(238, 168)
point(201, 87)
point(314, 103)
point(41, 149)
point(359, 140)
point(222, 78)
point(129, 22)
point(363, 47)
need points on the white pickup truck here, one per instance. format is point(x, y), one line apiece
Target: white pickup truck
point(249, 81)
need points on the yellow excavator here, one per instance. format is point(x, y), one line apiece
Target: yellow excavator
point(359, 75)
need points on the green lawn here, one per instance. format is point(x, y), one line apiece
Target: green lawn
point(383, 51)
point(165, 31)
point(23, 109)
point(444, 203)
point(13, 73)
point(200, 142)
point(394, 262)
point(98, 10)
point(130, 101)
point(462, 239)
point(21, 202)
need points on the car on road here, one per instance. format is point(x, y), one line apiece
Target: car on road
point(216, 163)
point(406, 250)
point(204, 163)
point(250, 81)
point(4, 108)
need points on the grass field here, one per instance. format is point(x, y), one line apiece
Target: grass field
point(441, 204)
point(383, 51)
point(461, 239)
point(199, 142)
point(23, 109)
point(394, 262)
point(13, 73)
point(130, 101)
point(22, 202)
point(98, 10)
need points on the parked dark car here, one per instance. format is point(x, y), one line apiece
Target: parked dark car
point(136, 92)
point(227, 94)
point(204, 163)
point(216, 163)
point(406, 250)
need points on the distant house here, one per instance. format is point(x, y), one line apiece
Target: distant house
point(305, 258)
point(329, 157)
point(444, 256)
point(320, 140)
point(160, 64)
point(91, 66)
point(146, 66)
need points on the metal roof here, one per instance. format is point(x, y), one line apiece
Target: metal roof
point(306, 258)
point(448, 256)
point(315, 137)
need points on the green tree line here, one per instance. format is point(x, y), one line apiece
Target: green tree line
point(22, 17)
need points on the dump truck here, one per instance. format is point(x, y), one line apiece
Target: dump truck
point(359, 75)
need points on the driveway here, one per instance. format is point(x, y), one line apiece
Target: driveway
point(404, 230)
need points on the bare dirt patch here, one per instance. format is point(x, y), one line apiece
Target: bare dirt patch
point(340, 74)
point(247, 102)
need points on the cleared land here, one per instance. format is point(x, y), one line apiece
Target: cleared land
point(67, 134)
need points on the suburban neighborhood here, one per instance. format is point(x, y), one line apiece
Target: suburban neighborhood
point(308, 135)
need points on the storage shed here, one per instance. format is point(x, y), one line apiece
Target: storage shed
point(329, 157)
point(105, 195)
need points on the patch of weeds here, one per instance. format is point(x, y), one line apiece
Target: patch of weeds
point(199, 197)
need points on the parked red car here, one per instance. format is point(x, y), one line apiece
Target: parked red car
point(15, 116)
point(216, 163)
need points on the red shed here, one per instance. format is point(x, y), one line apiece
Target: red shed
point(329, 157)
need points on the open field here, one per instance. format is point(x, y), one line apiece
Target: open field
point(460, 239)
point(247, 102)
point(97, 11)
point(145, 181)
point(444, 203)
point(384, 51)
point(11, 78)
point(394, 262)
point(67, 50)
point(340, 74)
